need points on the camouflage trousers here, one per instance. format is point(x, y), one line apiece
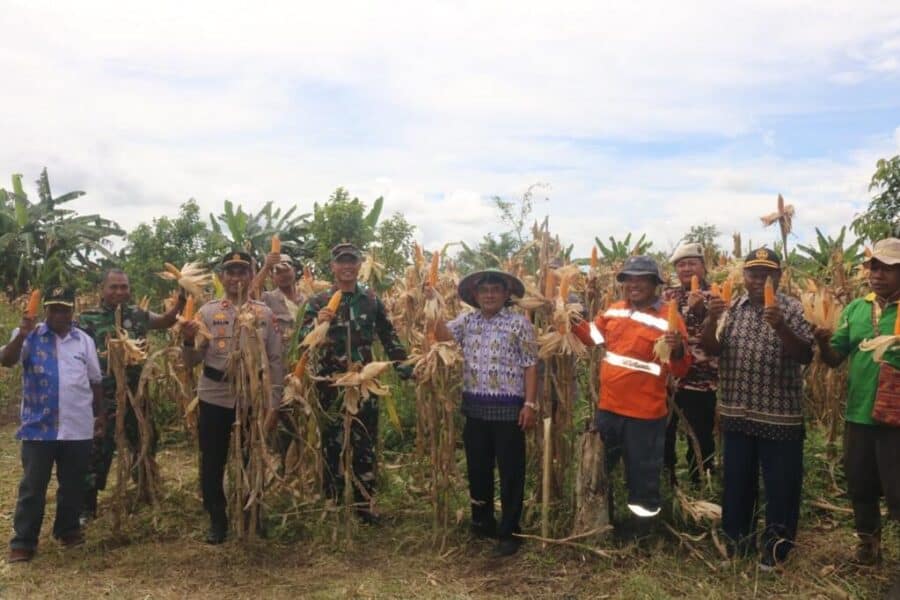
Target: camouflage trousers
point(363, 436)
point(104, 447)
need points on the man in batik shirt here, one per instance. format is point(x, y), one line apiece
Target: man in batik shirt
point(499, 386)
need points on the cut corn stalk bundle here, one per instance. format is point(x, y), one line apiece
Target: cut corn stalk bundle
point(591, 485)
point(438, 373)
point(251, 466)
point(192, 277)
point(301, 398)
point(122, 353)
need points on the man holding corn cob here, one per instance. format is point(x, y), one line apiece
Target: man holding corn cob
point(696, 393)
point(637, 333)
point(762, 348)
point(100, 324)
point(61, 394)
point(218, 319)
point(871, 447)
point(499, 398)
point(356, 316)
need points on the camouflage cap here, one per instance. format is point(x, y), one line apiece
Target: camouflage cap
point(345, 249)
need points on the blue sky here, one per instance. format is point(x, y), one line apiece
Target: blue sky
point(647, 117)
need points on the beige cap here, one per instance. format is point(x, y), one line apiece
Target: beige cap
point(886, 251)
point(689, 250)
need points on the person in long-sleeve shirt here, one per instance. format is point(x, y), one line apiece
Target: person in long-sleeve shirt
point(217, 401)
point(632, 409)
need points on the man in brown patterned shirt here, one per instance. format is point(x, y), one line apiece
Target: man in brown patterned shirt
point(696, 393)
point(761, 352)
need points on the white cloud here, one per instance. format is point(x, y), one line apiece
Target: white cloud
point(438, 106)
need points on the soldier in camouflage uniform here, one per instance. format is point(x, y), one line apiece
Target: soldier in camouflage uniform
point(100, 323)
point(360, 318)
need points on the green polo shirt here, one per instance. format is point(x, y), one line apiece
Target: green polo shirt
point(855, 326)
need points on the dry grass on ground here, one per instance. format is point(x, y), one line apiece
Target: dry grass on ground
point(161, 554)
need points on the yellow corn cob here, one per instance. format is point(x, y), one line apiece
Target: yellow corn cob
point(276, 244)
point(433, 271)
point(714, 289)
point(727, 289)
point(695, 283)
point(188, 313)
point(674, 317)
point(34, 303)
point(301, 365)
point(307, 275)
point(769, 293)
point(335, 301)
point(594, 260)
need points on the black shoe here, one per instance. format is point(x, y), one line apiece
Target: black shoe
point(89, 509)
point(484, 530)
point(367, 517)
point(507, 547)
point(217, 532)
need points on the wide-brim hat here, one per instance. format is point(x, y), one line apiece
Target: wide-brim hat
point(469, 283)
point(640, 265)
point(886, 251)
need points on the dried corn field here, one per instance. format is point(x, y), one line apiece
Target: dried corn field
point(148, 540)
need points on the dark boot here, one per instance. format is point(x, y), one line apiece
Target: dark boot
point(89, 508)
point(218, 528)
point(868, 549)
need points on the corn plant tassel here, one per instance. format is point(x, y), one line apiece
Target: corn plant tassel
point(769, 293)
point(433, 271)
point(34, 303)
point(695, 283)
point(276, 245)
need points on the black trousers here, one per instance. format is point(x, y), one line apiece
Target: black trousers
point(872, 467)
point(639, 443)
point(214, 427)
point(71, 458)
point(699, 409)
point(503, 443)
point(781, 462)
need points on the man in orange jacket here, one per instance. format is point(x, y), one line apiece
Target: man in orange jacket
point(633, 409)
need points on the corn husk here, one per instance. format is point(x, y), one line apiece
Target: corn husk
point(820, 308)
point(879, 345)
point(192, 277)
point(361, 384)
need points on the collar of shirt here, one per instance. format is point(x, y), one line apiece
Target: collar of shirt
point(73, 332)
point(656, 306)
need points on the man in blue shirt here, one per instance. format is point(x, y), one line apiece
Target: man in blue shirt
point(61, 388)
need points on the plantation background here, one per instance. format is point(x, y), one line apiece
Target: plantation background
point(160, 551)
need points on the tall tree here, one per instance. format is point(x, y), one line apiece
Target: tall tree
point(882, 218)
point(393, 244)
point(342, 219)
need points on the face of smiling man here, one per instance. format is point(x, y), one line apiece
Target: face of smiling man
point(345, 270)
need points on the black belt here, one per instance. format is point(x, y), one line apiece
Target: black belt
point(214, 374)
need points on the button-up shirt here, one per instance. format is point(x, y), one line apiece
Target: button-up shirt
point(703, 375)
point(761, 387)
point(496, 352)
point(57, 373)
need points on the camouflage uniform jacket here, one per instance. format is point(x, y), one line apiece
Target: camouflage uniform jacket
point(100, 324)
point(219, 317)
point(363, 316)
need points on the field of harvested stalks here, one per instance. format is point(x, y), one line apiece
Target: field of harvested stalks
point(148, 541)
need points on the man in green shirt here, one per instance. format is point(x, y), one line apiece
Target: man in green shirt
point(871, 449)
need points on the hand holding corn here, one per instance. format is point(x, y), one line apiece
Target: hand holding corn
point(772, 315)
point(716, 308)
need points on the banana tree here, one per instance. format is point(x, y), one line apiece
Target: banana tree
point(253, 232)
point(44, 244)
point(619, 250)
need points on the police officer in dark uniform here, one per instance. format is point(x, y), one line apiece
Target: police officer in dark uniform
point(360, 318)
point(100, 324)
point(217, 402)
